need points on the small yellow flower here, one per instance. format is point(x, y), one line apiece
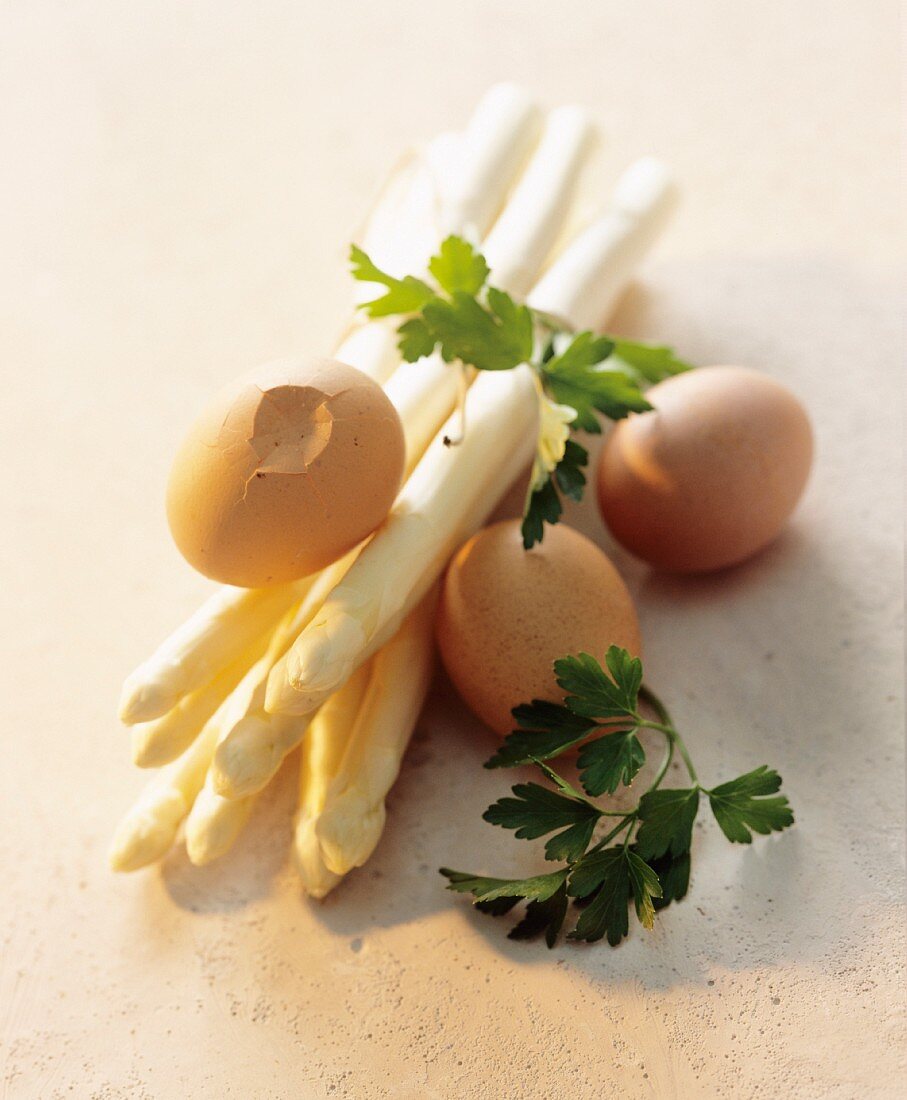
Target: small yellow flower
point(554, 431)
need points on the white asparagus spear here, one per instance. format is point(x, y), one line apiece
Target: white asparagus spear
point(494, 147)
point(320, 757)
point(224, 627)
point(149, 829)
point(595, 269)
point(214, 823)
point(158, 742)
point(326, 743)
point(250, 748)
point(247, 756)
point(410, 199)
point(184, 789)
point(472, 196)
point(442, 503)
point(217, 823)
point(457, 186)
point(371, 348)
point(352, 819)
point(516, 248)
point(536, 211)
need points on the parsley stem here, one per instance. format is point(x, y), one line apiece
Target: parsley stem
point(629, 819)
point(685, 756)
point(667, 727)
point(665, 764)
point(648, 696)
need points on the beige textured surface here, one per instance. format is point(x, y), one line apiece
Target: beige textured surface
point(177, 184)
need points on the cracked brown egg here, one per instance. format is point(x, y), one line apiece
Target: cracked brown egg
point(286, 470)
point(711, 475)
point(507, 614)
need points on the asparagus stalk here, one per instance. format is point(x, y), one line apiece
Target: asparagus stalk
point(149, 829)
point(452, 489)
point(185, 789)
point(221, 631)
point(598, 265)
point(352, 818)
point(251, 747)
point(214, 823)
point(320, 757)
point(536, 212)
point(158, 742)
point(473, 196)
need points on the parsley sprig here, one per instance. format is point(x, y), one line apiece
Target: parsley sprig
point(581, 376)
point(643, 856)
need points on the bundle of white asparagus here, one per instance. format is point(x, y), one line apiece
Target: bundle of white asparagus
point(339, 664)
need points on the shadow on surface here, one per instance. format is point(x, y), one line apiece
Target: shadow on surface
point(245, 873)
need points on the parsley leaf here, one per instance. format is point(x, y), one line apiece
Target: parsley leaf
point(593, 870)
point(537, 888)
point(740, 806)
point(458, 266)
point(667, 822)
point(673, 876)
point(613, 875)
point(544, 504)
point(537, 810)
point(645, 888)
point(575, 378)
point(568, 474)
point(497, 338)
point(407, 295)
point(650, 362)
point(548, 729)
point(543, 916)
point(606, 914)
point(610, 761)
point(592, 693)
point(416, 340)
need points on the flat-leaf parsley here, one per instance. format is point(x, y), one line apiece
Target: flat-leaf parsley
point(580, 376)
point(643, 858)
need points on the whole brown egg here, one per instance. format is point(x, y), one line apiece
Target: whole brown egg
point(711, 475)
point(507, 614)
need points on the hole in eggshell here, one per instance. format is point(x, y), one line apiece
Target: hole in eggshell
point(291, 428)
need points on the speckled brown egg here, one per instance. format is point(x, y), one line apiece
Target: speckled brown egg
point(285, 471)
point(506, 614)
point(709, 477)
